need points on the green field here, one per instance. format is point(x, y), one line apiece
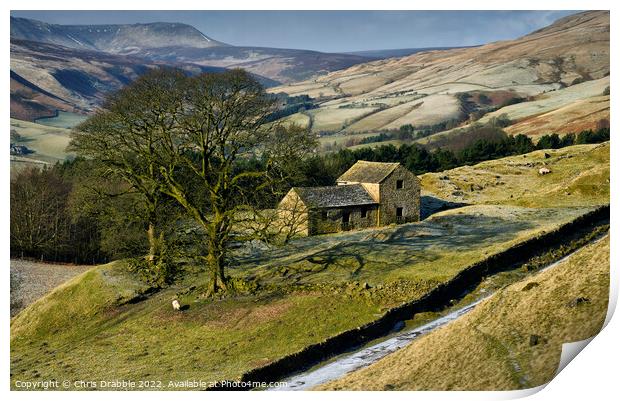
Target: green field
point(48, 143)
point(297, 295)
point(310, 291)
point(342, 139)
point(62, 120)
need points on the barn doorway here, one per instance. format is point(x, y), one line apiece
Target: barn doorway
point(345, 220)
point(399, 215)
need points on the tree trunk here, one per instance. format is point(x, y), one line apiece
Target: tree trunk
point(152, 243)
point(215, 262)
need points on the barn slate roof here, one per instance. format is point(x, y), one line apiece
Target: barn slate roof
point(334, 196)
point(369, 172)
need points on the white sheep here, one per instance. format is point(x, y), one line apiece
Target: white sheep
point(543, 171)
point(176, 305)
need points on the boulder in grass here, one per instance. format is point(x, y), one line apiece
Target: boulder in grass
point(578, 301)
point(544, 171)
point(529, 286)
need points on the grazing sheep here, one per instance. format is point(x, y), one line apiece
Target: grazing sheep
point(176, 305)
point(543, 171)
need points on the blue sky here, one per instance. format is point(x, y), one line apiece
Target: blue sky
point(330, 31)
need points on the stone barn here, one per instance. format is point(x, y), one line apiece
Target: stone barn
point(369, 194)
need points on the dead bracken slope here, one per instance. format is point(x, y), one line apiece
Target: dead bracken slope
point(572, 50)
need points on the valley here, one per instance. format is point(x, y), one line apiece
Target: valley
point(497, 253)
point(46, 78)
point(555, 80)
point(556, 74)
point(72, 67)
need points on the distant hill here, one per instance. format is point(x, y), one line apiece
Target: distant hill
point(389, 53)
point(181, 43)
point(47, 77)
point(283, 65)
point(117, 39)
point(442, 87)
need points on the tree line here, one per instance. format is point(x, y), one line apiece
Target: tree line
point(420, 160)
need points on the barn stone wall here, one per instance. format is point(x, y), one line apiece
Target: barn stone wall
point(373, 190)
point(330, 220)
point(407, 198)
point(293, 211)
point(387, 195)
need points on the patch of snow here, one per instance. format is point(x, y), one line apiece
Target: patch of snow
point(75, 40)
point(368, 355)
point(130, 49)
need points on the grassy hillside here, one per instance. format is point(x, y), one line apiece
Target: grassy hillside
point(522, 349)
point(579, 176)
point(575, 117)
point(573, 109)
point(308, 291)
point(561, 66)
point(48, 142)
point(98, 326)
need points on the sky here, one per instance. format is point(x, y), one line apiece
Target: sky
point(330, 31)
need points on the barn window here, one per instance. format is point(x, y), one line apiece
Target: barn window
point(399, 212)
point(324, 215)
point(399, 184)
point(363, 213)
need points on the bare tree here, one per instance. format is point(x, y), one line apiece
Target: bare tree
point(223, 122)
point(291, 219)
point(275, 225)
point(39, 221)
point(125, 137)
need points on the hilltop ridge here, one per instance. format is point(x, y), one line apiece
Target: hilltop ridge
point(112, 38)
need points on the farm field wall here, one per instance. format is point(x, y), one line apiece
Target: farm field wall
point(564, 304)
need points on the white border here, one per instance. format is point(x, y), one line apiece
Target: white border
point(593, 373)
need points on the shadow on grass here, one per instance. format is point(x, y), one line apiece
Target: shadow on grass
point(401, 247)
point(430, 205)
